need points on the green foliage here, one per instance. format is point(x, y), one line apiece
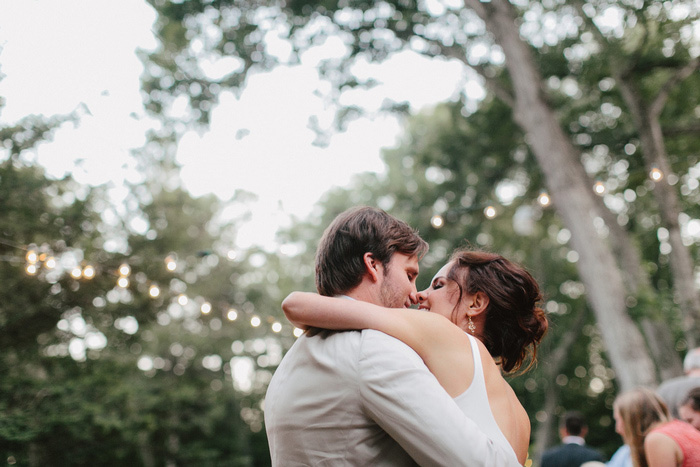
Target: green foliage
point(175, 409)
point(106, 406)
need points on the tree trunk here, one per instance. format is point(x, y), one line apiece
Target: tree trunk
point(660, 340)
point(656, 331)
point(544, 436)
point(646, 120)
point(566, 180)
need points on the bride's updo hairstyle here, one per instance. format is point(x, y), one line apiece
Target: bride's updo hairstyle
point(514, 323)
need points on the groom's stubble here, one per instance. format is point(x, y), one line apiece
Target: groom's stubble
point(389, 294)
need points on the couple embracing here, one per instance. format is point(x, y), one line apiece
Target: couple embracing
point(403, 386)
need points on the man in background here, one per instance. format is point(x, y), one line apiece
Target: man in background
point(572, 452)
point(674, 390)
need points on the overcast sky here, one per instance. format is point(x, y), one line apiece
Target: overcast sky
point(59, 57)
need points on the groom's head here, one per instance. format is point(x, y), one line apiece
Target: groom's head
point(367, 245)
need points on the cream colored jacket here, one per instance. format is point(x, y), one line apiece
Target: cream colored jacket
point(363, 398)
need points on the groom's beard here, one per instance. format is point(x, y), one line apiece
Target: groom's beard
point(390, 296)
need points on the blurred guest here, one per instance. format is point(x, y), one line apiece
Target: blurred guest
point(621, 458)
point(573, 451)
point(689, 408)
point(674, 390)
point(655, 439)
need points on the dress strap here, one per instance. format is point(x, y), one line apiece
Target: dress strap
point(476, 355)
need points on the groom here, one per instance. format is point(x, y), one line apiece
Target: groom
point(363, 398)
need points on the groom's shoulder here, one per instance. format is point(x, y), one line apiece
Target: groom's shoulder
point(364, 343)
point(377, 341)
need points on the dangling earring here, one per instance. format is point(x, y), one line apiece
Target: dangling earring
point(471, 326)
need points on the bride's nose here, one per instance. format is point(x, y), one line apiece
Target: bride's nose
point(422, 296)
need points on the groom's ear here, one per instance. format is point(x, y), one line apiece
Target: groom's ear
point(372, 266)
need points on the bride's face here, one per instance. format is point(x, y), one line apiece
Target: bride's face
point(442, 295)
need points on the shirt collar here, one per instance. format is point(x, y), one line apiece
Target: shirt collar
point(573, 440)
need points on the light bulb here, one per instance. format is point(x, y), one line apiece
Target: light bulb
point(124, 269)
point(656, 174)
point(599, 187)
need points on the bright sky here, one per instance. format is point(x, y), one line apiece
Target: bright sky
point(79, 55)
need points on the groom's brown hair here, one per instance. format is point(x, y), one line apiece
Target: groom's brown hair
point(359, 230)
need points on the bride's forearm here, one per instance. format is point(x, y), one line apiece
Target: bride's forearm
point(418, 329)
point(305, 309)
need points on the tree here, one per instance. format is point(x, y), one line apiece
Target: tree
point(646, 79)
point(116, 340)
point(499, 41)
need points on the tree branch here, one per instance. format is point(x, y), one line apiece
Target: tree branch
point(491, 83)
point(578, 5)
point(659, 101)
point(692, 129)
point(478, 7)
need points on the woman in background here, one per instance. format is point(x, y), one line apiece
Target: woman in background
point(689, 408)
point(655, 439)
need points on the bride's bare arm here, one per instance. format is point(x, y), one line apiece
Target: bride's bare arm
point(436, 339)
point(305, 309)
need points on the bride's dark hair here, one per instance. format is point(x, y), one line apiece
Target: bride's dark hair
point(514, 323)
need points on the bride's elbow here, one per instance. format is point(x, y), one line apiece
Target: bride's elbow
point(290, 304)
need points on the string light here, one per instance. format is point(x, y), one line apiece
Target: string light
point(599, 187)
point(437, 221)
point(124, 270)
point(35, 261)
point(88, 272)
point(490, 212)
point(656, 174)
point(170, 263)
point(32, 257)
